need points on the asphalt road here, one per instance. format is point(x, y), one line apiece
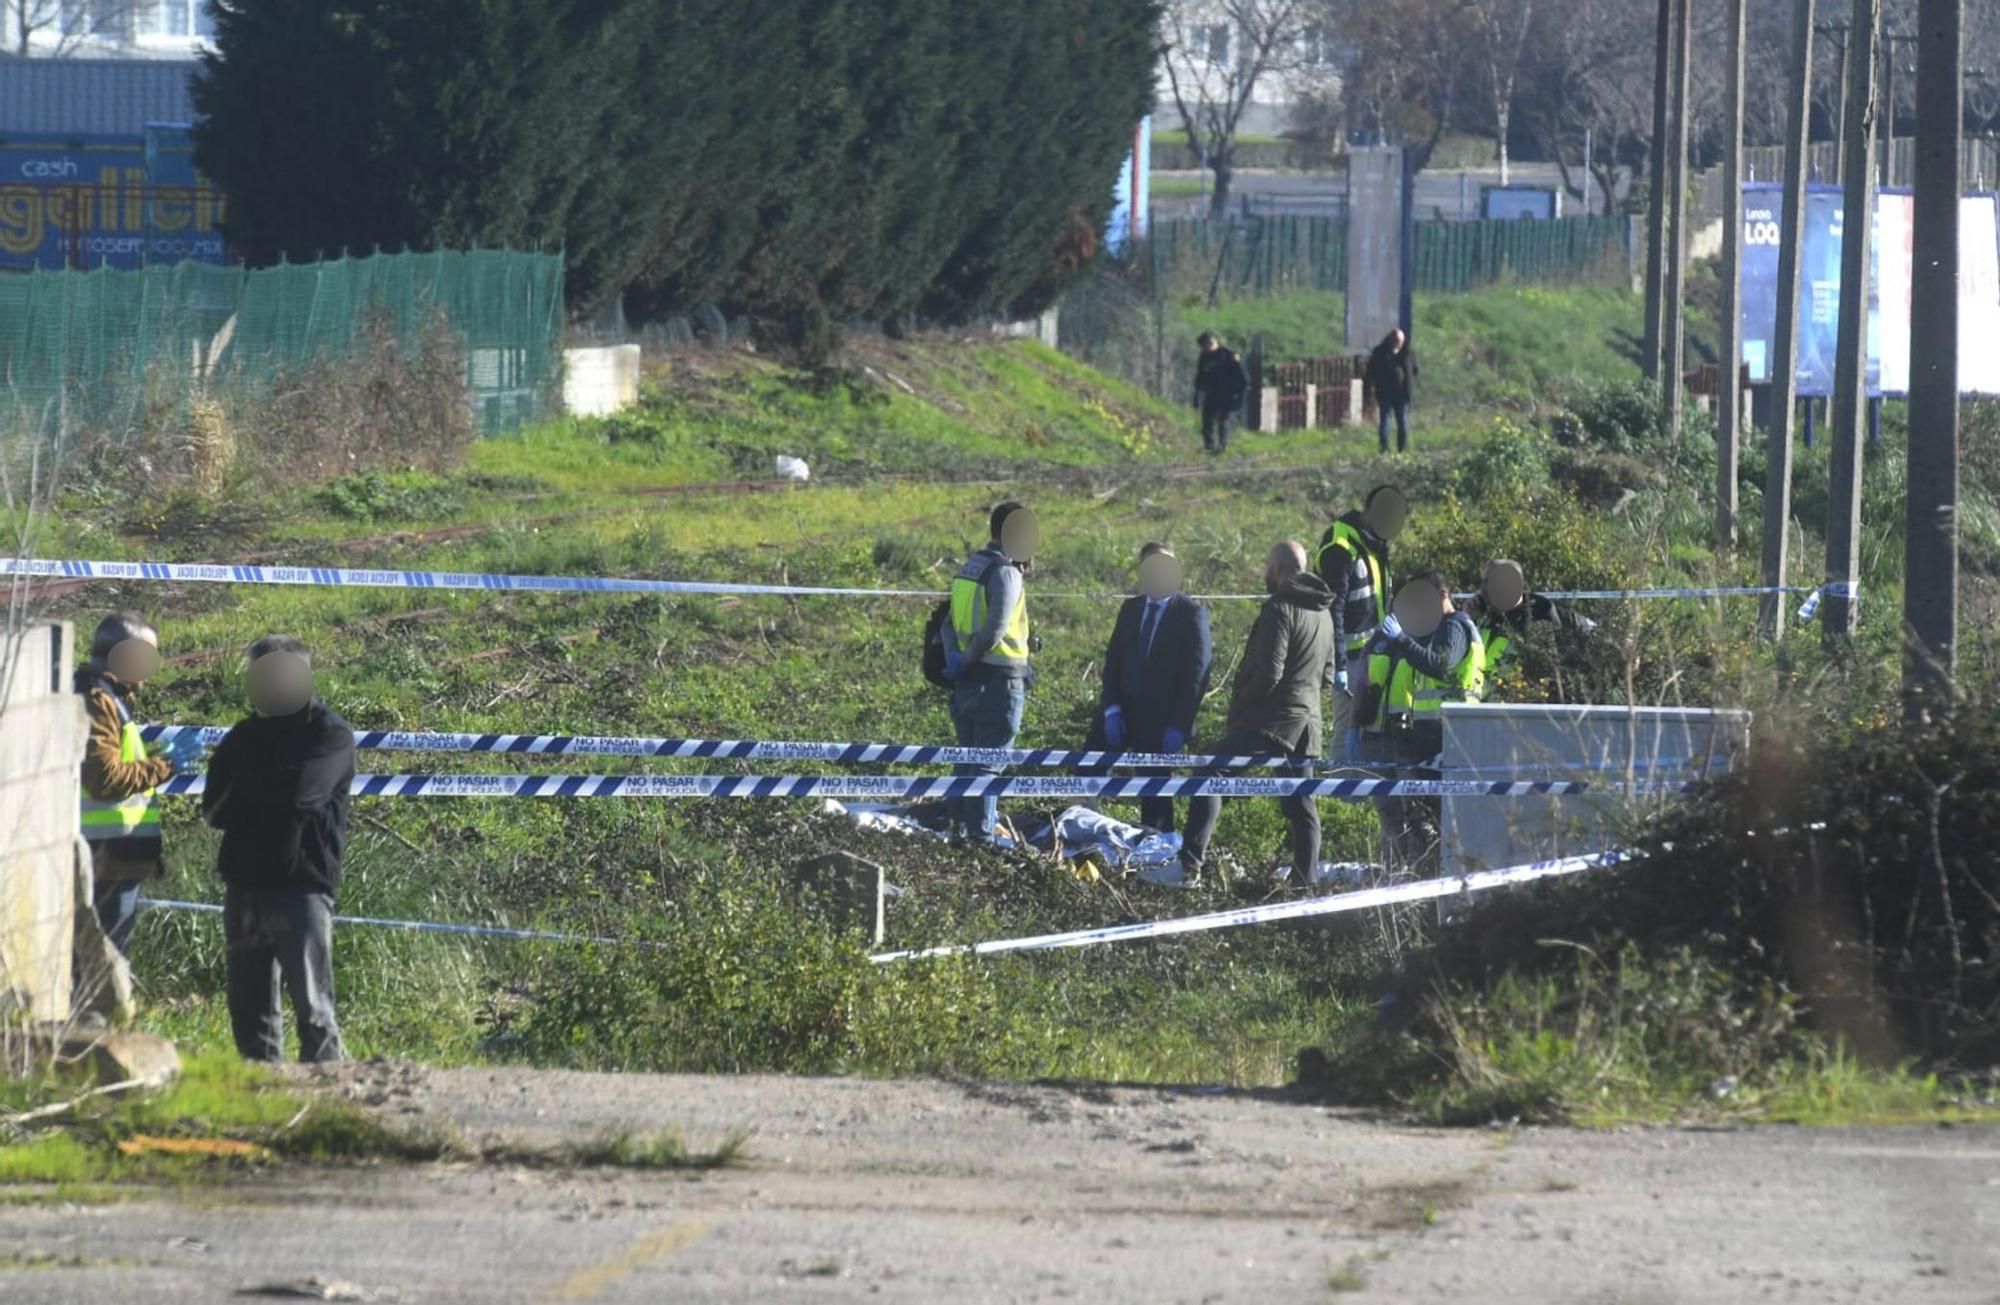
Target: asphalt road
point(941, 1191)
point(1439, 194)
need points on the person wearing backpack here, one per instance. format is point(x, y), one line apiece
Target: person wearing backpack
point(987, 646)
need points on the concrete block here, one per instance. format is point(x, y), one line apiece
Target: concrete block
point(598, 382)
point(849, 890)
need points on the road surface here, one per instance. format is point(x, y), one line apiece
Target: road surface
point(934, 1191)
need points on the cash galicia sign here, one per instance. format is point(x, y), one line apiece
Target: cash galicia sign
point(1889, 307)
point(106, 203)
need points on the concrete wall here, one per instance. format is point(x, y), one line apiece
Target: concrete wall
point(600, 381)
point(42, 735)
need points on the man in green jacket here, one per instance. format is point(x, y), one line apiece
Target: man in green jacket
point(1274, 705)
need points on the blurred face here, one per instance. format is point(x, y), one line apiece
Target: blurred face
point(1398, 336)
point(1160, 576)
point(1388, 514)
point(1020, 535)
point(134, 660)
point(1504, 588)
point(280, 683)
point(1420, 608)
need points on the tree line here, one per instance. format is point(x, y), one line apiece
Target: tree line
point(804, 162)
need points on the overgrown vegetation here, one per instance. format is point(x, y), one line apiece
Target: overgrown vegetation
point(1674, 985)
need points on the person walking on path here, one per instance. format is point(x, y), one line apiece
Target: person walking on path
point(1353, 559)
point(1274, 705)
point(1390, 380)
point(1219, 386)
point(278, 790)
point(987, 650)
point(120, 815)
point(1155, 673)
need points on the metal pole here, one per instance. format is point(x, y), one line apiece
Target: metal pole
point(1673, 343)
point(1656, 200)
point(1839, 605)
point(1729, 397)
point(1888, 118)
point(1784, 341)
point(1930, 582)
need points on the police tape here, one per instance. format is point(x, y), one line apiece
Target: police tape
point(562, 745)
point(1305, 908)
point(1362, 899)
point(483, 581)
point(419, 926)
point(881, 788)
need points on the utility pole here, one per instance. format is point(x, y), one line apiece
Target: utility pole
point(1673, 316)
point(1729, 399)
point(1839, 611)
point(1784, 340)
point(1930, 580)
point(1890, 40)
point(1656, 199)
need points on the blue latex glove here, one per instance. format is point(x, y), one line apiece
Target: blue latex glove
point(1391, 627)
point(1172, 740)
point(1114, 726)
point(954, 664)
point(1340, 682)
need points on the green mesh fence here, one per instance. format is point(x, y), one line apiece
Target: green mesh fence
point(100, 349)
point(1279, 255)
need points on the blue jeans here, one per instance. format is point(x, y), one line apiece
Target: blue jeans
point(117, 904)
point(1401, 412)
point(986, 709)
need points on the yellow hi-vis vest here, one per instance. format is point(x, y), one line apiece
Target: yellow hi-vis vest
point(1344, 535)
point(1497, 639)
point(137, 816)
point(1406, 691)
point(968, 613)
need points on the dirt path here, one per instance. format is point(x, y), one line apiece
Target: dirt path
point(937, 1191)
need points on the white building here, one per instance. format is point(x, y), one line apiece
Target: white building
point(107, 29)
point(1208, 49)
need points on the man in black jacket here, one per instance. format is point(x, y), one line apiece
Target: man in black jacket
point(1390, 380)
point(278, 790)
point(1155, 672)
point(1219, 386)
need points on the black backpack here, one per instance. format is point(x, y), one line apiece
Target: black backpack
point(934, 627)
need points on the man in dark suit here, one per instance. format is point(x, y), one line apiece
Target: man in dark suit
point(1155, 673)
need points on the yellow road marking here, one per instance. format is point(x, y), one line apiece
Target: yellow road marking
point(589, 1283)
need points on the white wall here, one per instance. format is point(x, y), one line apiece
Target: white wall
point(42, 735)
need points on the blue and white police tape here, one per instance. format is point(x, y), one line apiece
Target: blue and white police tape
point(899, 788)
point(580, 745)
point(339, 577)
point(418, 926)
point(1305, 908)
point(1848, 589)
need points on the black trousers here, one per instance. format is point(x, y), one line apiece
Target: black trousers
point(1154, 812)
point(279, 940)
point(1215, 428)
point(1302, 813)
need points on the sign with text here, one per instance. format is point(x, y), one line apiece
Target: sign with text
point(106, 203)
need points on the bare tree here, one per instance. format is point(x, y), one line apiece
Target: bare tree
point(54, 28)
point(1216, 55)
point(1503, 26)
point(1416, 60)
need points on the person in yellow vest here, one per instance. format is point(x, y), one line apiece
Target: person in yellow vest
point(1427, 653)
point(1353, 559)
point(1506, 611)
point(121, 804)
point(987, 650)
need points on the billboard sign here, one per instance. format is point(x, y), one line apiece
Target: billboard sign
point(106, 202)
point(1512, 203)
point(1889, 297)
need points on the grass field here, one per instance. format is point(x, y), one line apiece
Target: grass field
point(910, 444)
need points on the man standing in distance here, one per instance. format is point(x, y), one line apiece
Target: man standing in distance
point(1219, 386)
point(1353, 559)
point(1391, 380)
point(1155, 672)
point(987, 646)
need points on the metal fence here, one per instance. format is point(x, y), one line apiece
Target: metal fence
point(96, 347)
point(1285, 254)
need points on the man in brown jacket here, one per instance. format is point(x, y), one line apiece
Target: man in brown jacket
point(120, 807)
point(1275, 704)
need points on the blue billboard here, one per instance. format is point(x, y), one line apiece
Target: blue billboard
point(106, 202)
point(1819, 286)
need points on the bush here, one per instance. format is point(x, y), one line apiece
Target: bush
point(1510, 461)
